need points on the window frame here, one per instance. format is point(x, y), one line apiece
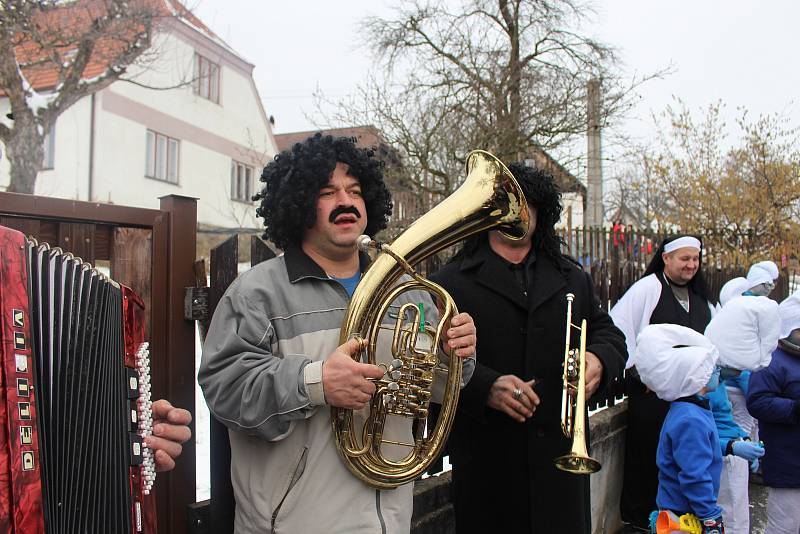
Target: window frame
point(49, 150)
point(165, 160)
point(207, 85)
point(236, 175)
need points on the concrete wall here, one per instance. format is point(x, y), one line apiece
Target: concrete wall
point(433, 511)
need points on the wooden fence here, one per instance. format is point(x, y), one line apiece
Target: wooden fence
point(618, 258)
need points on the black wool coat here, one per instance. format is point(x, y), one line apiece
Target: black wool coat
point(504, 479)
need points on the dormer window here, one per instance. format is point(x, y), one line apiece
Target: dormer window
point(206, 78)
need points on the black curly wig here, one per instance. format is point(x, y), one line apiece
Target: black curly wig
point(542, 191)
point(293, 181)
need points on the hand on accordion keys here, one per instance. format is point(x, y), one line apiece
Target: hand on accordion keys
point(170, 431)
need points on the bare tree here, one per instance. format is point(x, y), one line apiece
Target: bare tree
point(53, 53)
point(508, 76)
point(636, 196)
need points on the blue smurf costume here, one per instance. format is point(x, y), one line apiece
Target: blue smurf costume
point(680, 365)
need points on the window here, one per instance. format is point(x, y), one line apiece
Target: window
point(48, 161)
point(162, 157)
point(206, 78)
point(241, 182)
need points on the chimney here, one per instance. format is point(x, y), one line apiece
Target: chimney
point(594, 169)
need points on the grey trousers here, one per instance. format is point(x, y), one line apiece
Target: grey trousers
point(783, 511)
point(734, 494)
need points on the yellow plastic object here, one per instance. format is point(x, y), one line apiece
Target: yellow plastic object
point(669, 523)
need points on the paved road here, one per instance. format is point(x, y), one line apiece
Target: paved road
point(758, 507)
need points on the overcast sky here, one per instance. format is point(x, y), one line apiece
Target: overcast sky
point(740, 52)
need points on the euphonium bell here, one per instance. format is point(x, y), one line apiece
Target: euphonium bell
point(490, 197)
point(573, 403)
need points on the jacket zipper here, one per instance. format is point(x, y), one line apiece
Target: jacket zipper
point(292, 483)
point(378, 510)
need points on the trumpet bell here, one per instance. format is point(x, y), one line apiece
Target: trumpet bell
point(577, 464)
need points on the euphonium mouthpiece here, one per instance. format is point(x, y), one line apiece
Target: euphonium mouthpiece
point(364, 242)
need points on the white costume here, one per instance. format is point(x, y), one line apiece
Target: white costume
point(633, 311)
point(746, 332)
point(789, 311)
point(733, 288)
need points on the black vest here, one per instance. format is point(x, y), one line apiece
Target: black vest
point(669, 310)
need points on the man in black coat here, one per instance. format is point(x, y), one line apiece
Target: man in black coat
point(507, 429)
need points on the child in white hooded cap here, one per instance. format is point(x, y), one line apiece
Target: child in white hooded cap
point(680, 365)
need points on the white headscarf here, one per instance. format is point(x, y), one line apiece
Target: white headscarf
point(789, 311)
point(762, 272)
point(746, 332)
point(673, 372)
point(733, 288)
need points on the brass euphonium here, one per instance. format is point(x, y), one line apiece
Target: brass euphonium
point(573, 402)
point(490, 197)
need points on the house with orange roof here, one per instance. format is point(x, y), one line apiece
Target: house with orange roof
point(190, 123)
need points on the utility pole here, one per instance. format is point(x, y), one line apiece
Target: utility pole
point(594, 169)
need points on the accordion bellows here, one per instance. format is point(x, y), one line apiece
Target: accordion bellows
point(74, 397)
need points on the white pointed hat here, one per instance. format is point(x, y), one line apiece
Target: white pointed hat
point(733, 288)
point(674, 361)
point(761, 272)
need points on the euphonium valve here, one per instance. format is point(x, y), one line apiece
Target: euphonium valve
point(366, 440)
point(573, 402)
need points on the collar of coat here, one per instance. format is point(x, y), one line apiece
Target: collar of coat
point(545, 278)
point(703, 402)
point(299, 265)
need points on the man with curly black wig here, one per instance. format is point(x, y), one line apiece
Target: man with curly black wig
point(271, 365)
point(507, 429)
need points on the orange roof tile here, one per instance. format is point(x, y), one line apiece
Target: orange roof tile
point(73, 20)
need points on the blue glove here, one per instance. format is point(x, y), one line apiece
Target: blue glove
point(754, 466)
point(713, 525)
point(747, 450)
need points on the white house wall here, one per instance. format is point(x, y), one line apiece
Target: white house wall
point(211, 135)
point(573, 204)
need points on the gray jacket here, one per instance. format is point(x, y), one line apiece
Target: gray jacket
point(261, 376)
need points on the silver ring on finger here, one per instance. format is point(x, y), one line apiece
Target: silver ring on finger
point(517, 393)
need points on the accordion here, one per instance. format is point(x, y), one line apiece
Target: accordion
point(74, 397)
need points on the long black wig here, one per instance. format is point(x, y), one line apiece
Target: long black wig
point(543, 193)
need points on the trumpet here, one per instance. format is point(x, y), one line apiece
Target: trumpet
point(573, 402)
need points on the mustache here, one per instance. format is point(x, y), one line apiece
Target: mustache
point(341, 210)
